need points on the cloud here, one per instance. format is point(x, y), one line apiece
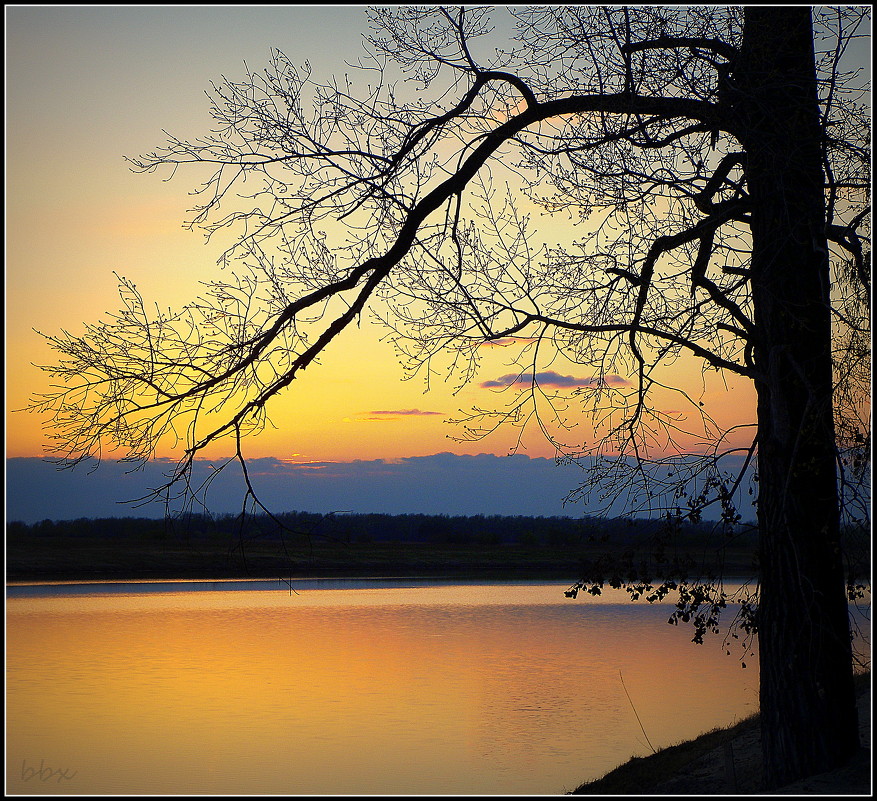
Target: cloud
point(504, 342)
point(383, 416)
point(408, 413)
point(551, 379)
point(443, 483)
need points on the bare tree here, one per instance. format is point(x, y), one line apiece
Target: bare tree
point(712, 165)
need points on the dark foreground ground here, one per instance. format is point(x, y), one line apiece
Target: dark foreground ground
point(728, 762)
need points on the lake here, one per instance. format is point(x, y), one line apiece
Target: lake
point(348, 687)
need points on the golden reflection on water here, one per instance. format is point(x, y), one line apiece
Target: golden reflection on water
point(509, 689)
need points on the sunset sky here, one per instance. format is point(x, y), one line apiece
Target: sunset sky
point(88, 86)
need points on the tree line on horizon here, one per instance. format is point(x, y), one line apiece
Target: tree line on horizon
point(414, 528)
point(656, 537)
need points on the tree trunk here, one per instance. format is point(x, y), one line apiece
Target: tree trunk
point(808, 711)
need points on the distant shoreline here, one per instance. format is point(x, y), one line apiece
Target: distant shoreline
point(96, 562)
point(350, 546)
point(373, 546)
point(298, 582)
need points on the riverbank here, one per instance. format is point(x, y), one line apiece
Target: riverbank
point(728, 761)
point(301, 545)
point(161, 554)
point(133, 559)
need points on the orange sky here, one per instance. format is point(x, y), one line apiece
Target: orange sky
point(86, 86)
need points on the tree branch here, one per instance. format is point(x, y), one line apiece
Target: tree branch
point(716, 46)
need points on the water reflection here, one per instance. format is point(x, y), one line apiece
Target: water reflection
point(479, 688)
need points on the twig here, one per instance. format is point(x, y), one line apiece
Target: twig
point(636, 714)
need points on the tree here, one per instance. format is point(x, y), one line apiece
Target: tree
point(715, 174)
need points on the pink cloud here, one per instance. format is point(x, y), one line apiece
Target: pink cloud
point(385, 415)
point(552, 379)
point(407, 413)
point(504, 342)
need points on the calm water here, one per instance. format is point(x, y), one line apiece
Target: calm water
point(347, 687)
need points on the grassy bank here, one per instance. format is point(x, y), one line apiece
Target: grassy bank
point(724, 761)
point(641, 775)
